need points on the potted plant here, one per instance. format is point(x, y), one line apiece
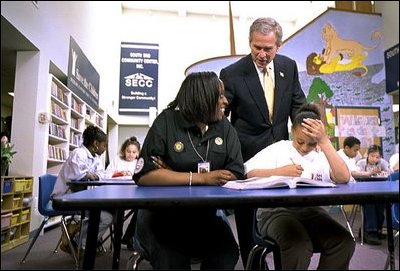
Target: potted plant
point(7, 154)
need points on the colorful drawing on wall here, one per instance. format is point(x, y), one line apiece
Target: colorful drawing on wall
point(340, 54)
point(341, 63)
point(316, 64)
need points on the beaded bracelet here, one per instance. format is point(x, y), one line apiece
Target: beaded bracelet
point(190, 178)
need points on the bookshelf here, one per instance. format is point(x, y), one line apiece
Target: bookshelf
point(69, 116)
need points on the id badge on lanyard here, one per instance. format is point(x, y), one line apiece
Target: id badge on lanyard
point(203, 167)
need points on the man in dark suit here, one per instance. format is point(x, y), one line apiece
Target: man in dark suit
point(259, 121)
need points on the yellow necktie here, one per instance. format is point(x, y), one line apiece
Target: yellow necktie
point(269, 92)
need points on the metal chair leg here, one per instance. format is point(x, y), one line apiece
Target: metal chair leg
point(134, 260)
point(71, 247)
point(34, 238)
point(362, 226)
point(57, 246)
point(347, 221)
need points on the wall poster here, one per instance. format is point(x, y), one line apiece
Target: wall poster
point(361, 122)
point(138, 78)
point(392, 68)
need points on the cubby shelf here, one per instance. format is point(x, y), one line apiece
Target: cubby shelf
point(16, 200)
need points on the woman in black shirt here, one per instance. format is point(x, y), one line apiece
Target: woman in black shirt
point(190, 143)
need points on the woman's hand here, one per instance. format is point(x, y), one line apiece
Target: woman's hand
point(159, 163)
point(217, 177)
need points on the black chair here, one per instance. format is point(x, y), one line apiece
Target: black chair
point(263, 246)
point(135, 259)
point(46, 185)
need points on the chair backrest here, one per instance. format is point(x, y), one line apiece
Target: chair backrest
point(257, 237)
point(394, 176)
point(46, 185)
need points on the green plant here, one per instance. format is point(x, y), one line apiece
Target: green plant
point(7, 152)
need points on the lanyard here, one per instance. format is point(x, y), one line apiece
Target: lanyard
point(198, 154)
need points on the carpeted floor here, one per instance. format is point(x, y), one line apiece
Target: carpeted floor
point(366, 257)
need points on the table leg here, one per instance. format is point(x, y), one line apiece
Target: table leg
point(117, 239)
point(91, 240)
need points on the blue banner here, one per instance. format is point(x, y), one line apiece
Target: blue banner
point(392, 68)
point(83, 79)
point(138, 78)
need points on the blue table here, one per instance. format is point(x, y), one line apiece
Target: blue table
point(129, 197)
point(120, 218)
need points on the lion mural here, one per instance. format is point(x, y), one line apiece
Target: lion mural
point(335, 45)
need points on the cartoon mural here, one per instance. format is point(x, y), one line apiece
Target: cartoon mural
point(349, 69)
point(335, 45)
point(316, 65)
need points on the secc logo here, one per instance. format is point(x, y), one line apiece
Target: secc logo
point(138, 80)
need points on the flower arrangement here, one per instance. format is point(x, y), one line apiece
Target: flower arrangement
point(7, 152)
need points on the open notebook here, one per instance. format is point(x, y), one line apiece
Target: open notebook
point(275, 181)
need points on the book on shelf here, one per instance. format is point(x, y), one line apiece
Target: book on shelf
point(274, 182)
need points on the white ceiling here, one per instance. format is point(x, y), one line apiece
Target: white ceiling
point(282, 11)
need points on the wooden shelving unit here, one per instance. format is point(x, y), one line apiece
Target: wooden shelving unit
point(16, 200)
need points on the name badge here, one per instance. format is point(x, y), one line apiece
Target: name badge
point(203, 167)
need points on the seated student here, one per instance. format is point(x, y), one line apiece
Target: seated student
point(124, 164)
point(84, 163)
point(374, 214)
point(394, 159)
point(197, 145)
point(298, 230)
point(349, 154)
point(394, 162)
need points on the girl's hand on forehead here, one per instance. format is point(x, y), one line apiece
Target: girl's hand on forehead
point(314, 128)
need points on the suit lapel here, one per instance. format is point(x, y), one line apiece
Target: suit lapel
point(254, 87)
point(279, 82)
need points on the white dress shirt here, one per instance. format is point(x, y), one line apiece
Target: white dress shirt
point(79, 163)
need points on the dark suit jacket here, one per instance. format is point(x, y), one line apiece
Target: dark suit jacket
point(248, 107)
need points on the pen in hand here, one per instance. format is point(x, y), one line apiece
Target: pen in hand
point(299, 168)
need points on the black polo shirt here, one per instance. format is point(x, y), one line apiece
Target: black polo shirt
point(168, 138)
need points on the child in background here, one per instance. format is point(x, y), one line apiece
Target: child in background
point(374, 165)
point(124, 165)
point(84, 163)
point(374, 214)
point(394, 159)
point(349, 153)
